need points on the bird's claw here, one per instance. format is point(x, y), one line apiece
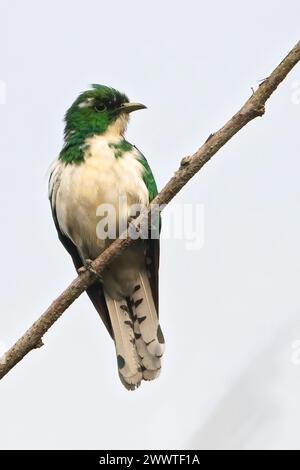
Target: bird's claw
point(88, 267)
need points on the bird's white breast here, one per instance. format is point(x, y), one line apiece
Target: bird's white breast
point(103, 178)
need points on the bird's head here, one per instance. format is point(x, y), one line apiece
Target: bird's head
point(98, 110)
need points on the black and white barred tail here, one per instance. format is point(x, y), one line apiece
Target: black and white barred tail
point(137, 334)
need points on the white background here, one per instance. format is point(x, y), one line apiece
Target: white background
point(230, 311)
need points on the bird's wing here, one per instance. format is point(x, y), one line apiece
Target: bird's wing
point(95, 291)
point(153, 243)
point(153, 254)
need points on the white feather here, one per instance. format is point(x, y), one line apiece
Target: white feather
point(128, 360)
point(81, 188)
point(145, 310)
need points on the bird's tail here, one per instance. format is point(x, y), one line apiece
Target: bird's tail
point(137, 334)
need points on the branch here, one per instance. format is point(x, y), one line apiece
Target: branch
point(253, 108)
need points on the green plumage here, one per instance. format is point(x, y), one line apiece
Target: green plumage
point(91, 114)
point(149, 179)
point(121, 148)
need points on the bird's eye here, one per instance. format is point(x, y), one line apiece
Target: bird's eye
point(100, 107)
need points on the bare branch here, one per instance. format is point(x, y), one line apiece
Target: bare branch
point(254, 107)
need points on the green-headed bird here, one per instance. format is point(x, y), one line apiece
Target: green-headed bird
point(98, 168)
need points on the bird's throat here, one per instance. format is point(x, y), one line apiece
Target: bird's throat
point(76, 141)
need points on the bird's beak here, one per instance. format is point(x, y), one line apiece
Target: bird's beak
point(129, 107)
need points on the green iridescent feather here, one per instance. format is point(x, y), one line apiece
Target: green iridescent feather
point(149, 179)
point(124, 146)
point(121, 148)
point(84, 121)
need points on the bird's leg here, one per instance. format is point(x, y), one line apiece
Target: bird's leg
point(87, 266)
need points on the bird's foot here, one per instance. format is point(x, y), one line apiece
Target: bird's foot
point(88, 267)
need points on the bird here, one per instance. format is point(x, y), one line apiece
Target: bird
point(97, 168)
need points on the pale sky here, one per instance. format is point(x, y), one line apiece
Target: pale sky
point(229, 310)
